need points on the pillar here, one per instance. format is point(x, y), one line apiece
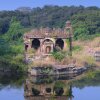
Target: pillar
point(65, 45)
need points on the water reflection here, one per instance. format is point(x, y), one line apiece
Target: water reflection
point(48, 88)
point(11, 80)
point(11, 86)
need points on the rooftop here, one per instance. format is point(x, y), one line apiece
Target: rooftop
point(47, 32)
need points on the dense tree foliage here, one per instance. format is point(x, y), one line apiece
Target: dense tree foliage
point(11, 47)
point(86, 21)
point(14, 31)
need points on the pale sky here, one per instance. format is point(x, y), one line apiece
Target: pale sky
point(13, 4)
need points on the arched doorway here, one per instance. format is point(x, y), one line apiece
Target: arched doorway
point(48, 45)
point(59, 44)
point(26, 47)
point(48, 49)
point(35, 44)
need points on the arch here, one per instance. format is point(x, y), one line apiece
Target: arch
point(48, 90)
point(59, 43)
point(59, 91)
point(48, 40)
point(35, 43)
point(26, 47)
point(48, 45)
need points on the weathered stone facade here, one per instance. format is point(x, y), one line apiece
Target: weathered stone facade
point(43, 41)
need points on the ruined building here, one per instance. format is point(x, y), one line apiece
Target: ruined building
point(41, 42)
point(39, 88)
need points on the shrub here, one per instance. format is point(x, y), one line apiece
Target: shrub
point(77, 48)
point(59, 55)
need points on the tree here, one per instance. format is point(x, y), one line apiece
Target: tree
point(14, 32)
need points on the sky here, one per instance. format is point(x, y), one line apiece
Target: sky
point(14, 4)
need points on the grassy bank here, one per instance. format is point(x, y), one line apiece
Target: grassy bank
point(12, 57)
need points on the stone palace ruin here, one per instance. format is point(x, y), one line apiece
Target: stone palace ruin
point(41, 42)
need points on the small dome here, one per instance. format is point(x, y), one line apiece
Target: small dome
point(68, 24)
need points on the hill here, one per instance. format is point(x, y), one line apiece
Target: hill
point(85, 20)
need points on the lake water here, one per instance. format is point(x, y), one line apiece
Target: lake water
point(87, 93)
point(19, 88)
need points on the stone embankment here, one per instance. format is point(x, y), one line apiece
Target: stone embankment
point(57, 70)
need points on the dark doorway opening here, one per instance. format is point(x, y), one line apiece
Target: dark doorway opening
point(35, 43)
point(26, 47)
point(59, 44)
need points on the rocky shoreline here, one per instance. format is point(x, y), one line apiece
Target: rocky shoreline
point(57, 70)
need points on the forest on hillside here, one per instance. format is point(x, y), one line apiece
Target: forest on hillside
point(85, 20)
